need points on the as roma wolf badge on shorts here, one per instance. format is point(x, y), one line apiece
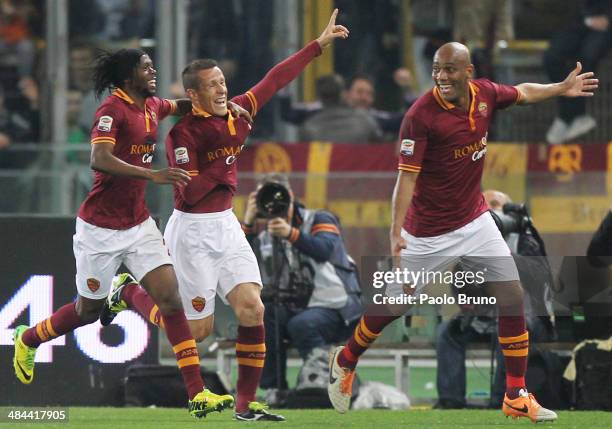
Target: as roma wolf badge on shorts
point(93, 284)
point(198, 303)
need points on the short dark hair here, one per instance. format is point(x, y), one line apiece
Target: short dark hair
point(362, 76)
point(329, 89)
point(190, 73)
point(111, 69)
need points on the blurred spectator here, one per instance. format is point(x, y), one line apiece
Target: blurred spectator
point(483, 25)
point(586, 41)
point(336, 121)
point(81, 58)
point(85, 18)
point(76, 133)
point(127, 19)
point(360, 95)
point(475, 21)
point(16, 44)
point(19, 122)
point(239, 35)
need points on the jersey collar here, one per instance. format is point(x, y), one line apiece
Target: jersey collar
point(118, 92)
point(203, 113)
point(448, 106)
point(199, 112)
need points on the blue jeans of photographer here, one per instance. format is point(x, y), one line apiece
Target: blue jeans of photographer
point(303, 329)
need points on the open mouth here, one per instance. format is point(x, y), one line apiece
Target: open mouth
point(152, 83)
point(220, 102)
point(445, 89)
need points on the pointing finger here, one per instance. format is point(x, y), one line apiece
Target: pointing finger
point(332, 19)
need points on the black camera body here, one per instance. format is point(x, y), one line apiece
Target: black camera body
point(297, 292)
point(272, 200)
point(513, 218)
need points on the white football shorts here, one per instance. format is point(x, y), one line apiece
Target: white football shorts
point(99, 252)
point(211, 255)
point(479, 246)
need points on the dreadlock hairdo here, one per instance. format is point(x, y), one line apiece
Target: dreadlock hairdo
point(111, 69)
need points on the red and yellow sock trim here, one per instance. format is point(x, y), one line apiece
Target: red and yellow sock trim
point(363, 335)
point(515, 346)
point(156, 318)
point(251, 354)
point(186, 353)
point(45, 331)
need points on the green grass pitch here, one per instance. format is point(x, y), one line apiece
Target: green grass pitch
point(160, 418)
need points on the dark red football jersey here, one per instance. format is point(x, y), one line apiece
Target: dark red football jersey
point(118, 202)
point(446, 146)
point(207, 146)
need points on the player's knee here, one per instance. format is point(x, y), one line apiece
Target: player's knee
point(200, 333)
point(515, 295)
point(170, 303)
point(251, 311)
point(89, 314)
point(87, 309)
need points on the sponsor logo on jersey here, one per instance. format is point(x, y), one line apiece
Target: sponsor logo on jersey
point(229, 152)
point(105, 123)
point(93, 284)
point(146, 150)
point(476, 150)
point(198, 303)
point(407, 148)
point(181, 156)
point(483, 108)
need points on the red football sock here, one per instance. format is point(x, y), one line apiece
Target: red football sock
point(184, 347)
point(366, 332)
point(514, 341)
point(61, 322)
point(250, 353)
point(138, 299)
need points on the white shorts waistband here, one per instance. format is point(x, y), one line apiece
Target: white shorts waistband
point(213, 215)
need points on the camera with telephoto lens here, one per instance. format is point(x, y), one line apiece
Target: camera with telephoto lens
point(513, 218)
point(273, 200)
point(298, 291)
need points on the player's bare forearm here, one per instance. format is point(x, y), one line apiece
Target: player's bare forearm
point(536, 92)
point(103, 160)
point(402, 196)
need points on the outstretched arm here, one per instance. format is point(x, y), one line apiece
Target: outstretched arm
point(574, 85)
point(286, 71)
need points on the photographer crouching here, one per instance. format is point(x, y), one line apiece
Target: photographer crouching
point(311, 287)
point(478, 323)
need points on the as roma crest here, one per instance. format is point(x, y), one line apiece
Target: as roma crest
point(198, 303)
point(93, 284)
point(483, 108)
